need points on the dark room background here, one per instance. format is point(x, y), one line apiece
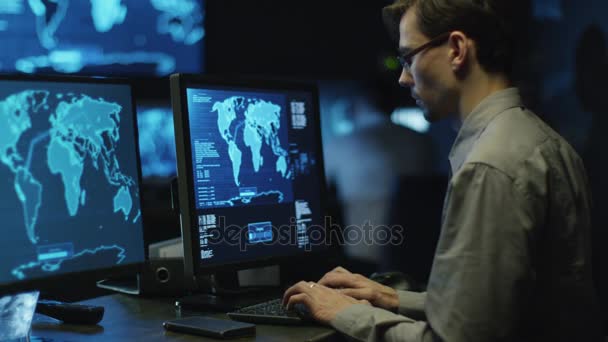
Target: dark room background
point(342, 45)
point(385, 164)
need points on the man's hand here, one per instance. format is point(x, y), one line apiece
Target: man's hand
point(322, 302)
point(362, 288)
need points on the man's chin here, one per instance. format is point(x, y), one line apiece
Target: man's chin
point(429, 115)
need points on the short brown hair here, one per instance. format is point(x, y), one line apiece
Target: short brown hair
point(490, 23)
point(393, 14)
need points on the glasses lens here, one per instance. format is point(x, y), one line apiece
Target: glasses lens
point(404, 63)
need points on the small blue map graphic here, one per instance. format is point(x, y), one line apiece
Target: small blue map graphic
point(81, 133)
point(261, 125)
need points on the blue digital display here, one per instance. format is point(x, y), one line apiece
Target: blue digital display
point(260, 232)
point(240, 148)
point(156, 141)
point(256, 172)
point(144, 37)
point(68, 165)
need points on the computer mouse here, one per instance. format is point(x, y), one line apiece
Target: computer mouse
point(396, 280)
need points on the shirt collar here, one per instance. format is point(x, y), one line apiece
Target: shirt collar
point(477, 121)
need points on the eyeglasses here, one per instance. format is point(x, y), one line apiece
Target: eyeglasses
point(406, 59)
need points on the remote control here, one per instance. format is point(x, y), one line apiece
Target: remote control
point(70, 313)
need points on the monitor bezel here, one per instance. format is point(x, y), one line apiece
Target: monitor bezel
point(42, 283)
point(179, 84)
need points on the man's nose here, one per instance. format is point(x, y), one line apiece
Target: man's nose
point(406, 79)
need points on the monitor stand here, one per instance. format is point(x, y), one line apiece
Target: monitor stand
point(223, 293)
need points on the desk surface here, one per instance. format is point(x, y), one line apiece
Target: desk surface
point(129, 318)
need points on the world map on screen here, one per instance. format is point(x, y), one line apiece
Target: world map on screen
point(50, 142)
point(240, 148)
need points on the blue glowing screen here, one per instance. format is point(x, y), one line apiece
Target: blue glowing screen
point(144, 37)
point(256, 167)
point(156, 141)
point(246, 136)
point(68, 167)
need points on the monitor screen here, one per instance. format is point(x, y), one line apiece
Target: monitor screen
point(69, 170)
point(252, 170)
point(102, 37)
point(156, 141)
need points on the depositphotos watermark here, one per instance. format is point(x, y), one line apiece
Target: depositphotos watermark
point(303, 234)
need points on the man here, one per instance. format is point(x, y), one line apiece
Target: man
point(513, 259)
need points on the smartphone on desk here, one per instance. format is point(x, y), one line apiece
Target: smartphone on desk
point(210, 327)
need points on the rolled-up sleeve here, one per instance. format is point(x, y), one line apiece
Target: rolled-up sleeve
point(411, 304)
point(366, 323)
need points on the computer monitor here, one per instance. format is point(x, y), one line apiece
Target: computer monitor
point(250, 171)
point(102, 37)
point(69, 169)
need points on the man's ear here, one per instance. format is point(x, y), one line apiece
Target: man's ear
point(461, 50)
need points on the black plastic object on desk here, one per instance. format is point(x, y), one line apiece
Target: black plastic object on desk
point(211, 327)
point(71, 313)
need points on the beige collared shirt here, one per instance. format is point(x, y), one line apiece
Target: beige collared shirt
point(513, 258)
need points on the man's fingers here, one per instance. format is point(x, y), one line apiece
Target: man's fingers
point(298, 298)
point(300, 287)
point(337, 270)
point(363, 294)
point(338, 280)
point(341, 269)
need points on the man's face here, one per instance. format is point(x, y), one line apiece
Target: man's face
point(430, 77)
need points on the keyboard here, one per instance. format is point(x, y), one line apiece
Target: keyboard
point(271, 312)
